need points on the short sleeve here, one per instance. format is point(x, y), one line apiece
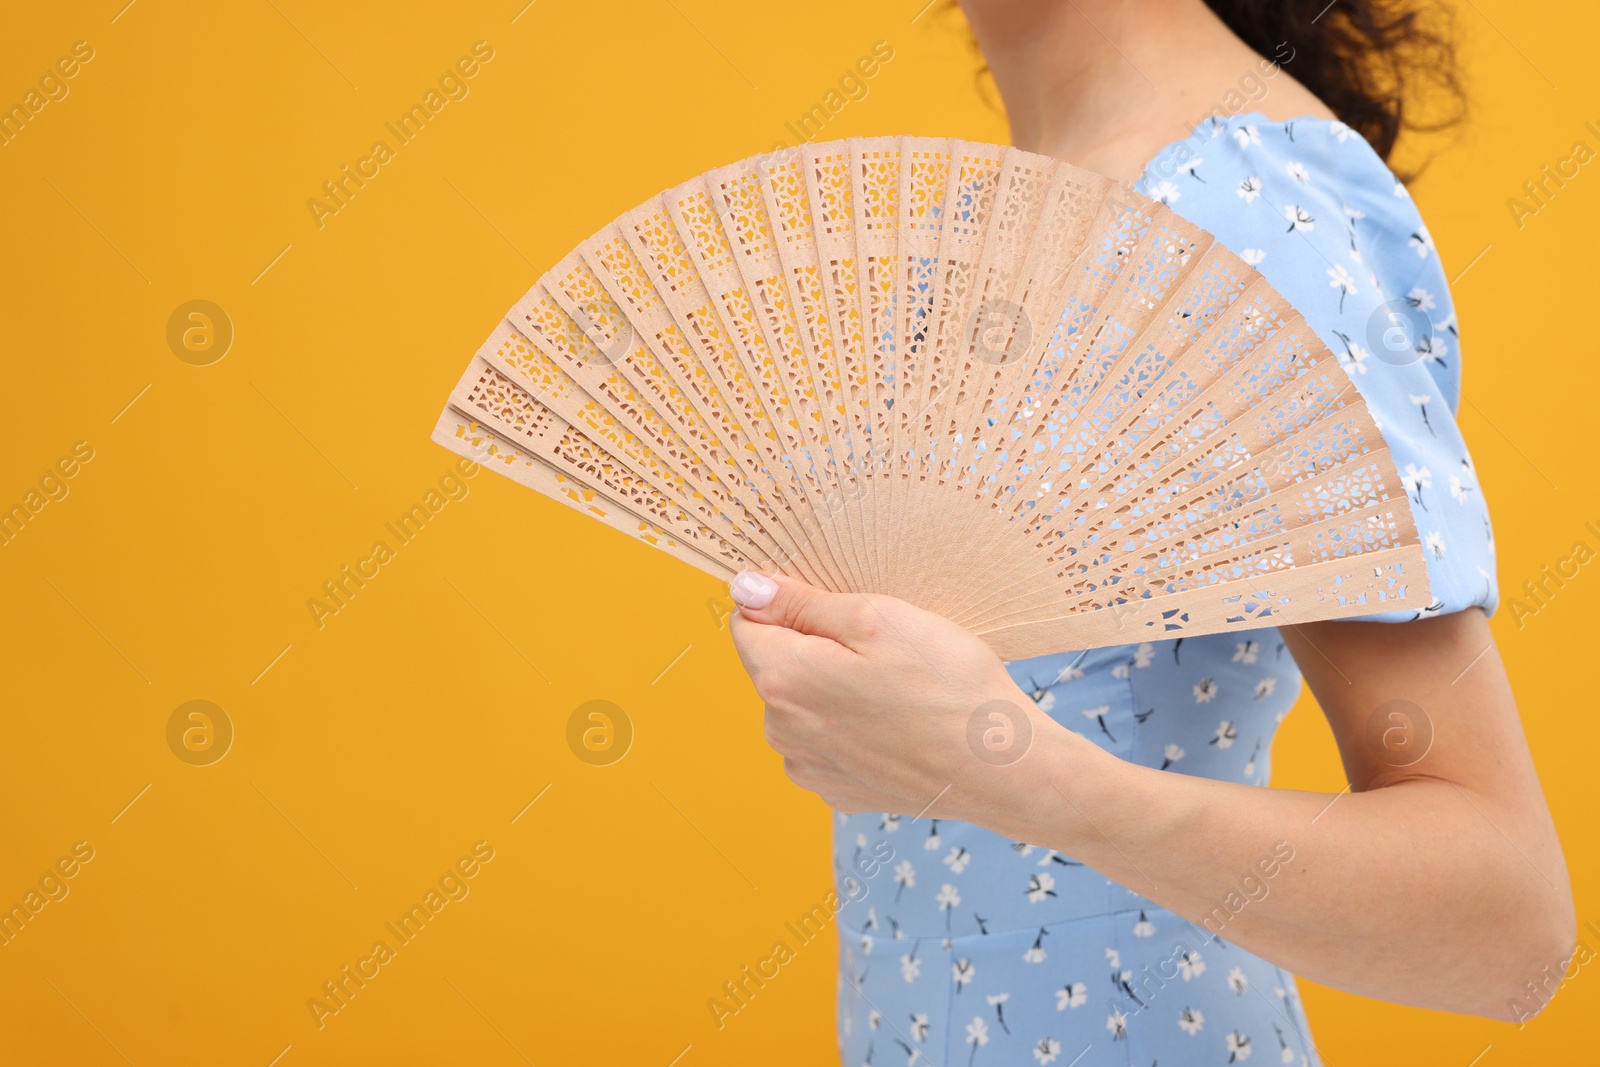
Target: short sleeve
point(1310, 205)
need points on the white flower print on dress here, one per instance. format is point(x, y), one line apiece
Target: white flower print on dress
point(1144, 927)
point(1353, 359)
point(1117, 1023)
point(977, 1034)
point(1265, 687)
point(1192, 1020)
point(1120, 980)
point(1421, 400)
point(961, 972)
point(1072, 995)
point(1035, 952)
point(1166, 193)
point(958, 859)
point(1434, 543)
point(1226, 735)
point(1047, 1050)
point(1205, 691)
point(1421, 299)
point(1099, 716)
point(1421, 242)
point(905, 876)
point(1237, 981)
point(1170, 755)
point(919, 1026)
point(1247, 136)
point(1298, 172)
point(1190, 965)
point(997, 1001)
point(1238, 1046)
point(910, 967)
point(1044, 695)
point(1252, 256)
point(1041, 886)
point(1433, 349)
point(949, 897)
point(1055, 857)
point(1246, 651)
point(1299, 218)
point(1249, 189)
point(1415, 479)
point(1340, 279)
point(1285, 1053)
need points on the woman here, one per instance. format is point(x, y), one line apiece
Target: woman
point(1125, 893)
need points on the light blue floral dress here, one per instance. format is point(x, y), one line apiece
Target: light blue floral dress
point(960, 947)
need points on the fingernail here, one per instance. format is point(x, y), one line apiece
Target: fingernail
point(752, 590)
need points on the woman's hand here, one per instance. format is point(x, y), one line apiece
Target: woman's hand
point(878, 705)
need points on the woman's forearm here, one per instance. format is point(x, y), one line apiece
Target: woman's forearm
point(1409, 893)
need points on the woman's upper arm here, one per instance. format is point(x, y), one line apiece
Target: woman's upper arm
point(1425, 699)
point(1430, 701)
point(1432, 743)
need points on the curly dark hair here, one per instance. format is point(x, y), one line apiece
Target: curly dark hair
point(1382, 66)
point(1370, 61)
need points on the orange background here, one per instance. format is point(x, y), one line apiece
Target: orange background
point(371, 754)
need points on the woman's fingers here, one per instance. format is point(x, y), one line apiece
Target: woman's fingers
point(851, 619)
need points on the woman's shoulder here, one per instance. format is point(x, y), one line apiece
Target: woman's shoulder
point(1309, 204)
point(1306, 183)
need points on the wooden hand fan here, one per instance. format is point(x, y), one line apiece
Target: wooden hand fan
point(1000, 387)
